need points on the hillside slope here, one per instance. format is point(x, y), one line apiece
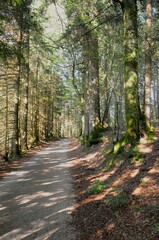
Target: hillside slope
point(118, 198)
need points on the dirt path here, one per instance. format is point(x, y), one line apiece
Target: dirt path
point(36, 201)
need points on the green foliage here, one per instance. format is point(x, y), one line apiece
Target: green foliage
point(17, 2)
point(143, 183)
point(118, 201)
point(155, 228)
point(137, 157)
point(97, 187)
point(154, 209)
point(94, 138)
point(118, 148)
point(150, 132)
point(110, 163)
point(140, 208)
point(84, 141)
point(126, 140)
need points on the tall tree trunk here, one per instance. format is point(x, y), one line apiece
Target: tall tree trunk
point(6, 123)
point(107, 99)
point(86, 89)
point(86, 109)
point(131, 68)
point(157, 91)
point(93, 78)
point(148, 61)
point(26, 97)
point(91, 89)
point(15, 143)
point(36, 126)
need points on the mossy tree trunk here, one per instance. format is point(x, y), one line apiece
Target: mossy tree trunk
point(135, 120)
point(131, 68)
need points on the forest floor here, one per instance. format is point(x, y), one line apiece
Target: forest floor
point(119, 199)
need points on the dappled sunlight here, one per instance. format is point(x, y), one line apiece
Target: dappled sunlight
point(37, 201)
point(27, 198)
point(2, 208)
point(134, 173)
point(24, 179)
point(19, 173)
point(111, 226)
point(90, 156)
point(48, 183)
point(137, 191)
point(129, 195)
point(154, 171)
point(11, 233)
point(143, 149)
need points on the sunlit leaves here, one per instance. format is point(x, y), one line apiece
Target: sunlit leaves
point(17, 2)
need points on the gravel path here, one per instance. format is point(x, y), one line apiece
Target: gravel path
point(36, 201)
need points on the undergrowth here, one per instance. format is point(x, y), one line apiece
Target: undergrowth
point(97, 187)
point(117, 199)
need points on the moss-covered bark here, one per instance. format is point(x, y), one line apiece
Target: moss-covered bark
point(135, 120)
point(131, 68)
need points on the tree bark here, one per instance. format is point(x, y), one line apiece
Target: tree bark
point(36, 123)
point(131, 68)
point(91, 89)
point(15, 143)
point(147, 97)
point(26, 97)
point(93, 78)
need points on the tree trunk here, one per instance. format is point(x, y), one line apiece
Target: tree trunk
point(91, 89)
point(36, 126)
point(157, 92)
point(131, 68)
point(26, 98)
point(6, 123)
point(93, 78)
point(15, 143)
point(147, 98)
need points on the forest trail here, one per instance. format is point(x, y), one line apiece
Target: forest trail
point(36, 201)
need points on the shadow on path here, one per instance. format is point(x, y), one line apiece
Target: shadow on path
point(36, 201)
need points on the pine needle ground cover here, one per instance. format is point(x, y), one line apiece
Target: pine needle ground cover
point(119, 200)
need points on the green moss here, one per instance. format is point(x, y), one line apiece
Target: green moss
point(110, 164)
